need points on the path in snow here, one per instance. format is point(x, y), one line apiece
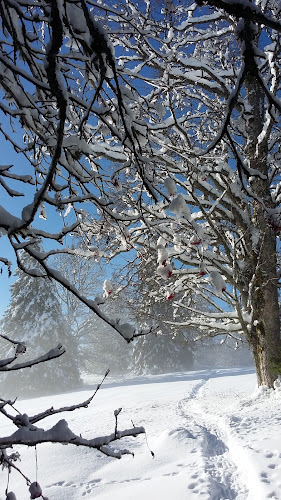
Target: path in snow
point(239, 438)
point(218, 476)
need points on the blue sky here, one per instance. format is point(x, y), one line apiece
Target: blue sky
point(14, 206)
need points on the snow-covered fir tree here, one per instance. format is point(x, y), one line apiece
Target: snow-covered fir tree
point(169, 349)
point(103, 349)
point(162, 354)
point(34, 317)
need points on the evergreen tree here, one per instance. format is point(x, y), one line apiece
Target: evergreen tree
point(169, 350)
point(34, 317)
point(103, 349)
point(162, 354)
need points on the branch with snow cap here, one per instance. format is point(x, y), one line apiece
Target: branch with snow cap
point(179, 207)
point(170, 186)
point(107, 288)
point(52, 354)
point(165, 270)
point(218, 282)
point(244, 9)
point(60, 433)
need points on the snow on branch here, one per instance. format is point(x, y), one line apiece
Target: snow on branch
point(52, 354)
point(60, 433)
point(244, 9)
point(219, 326)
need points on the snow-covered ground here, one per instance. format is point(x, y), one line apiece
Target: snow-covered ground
point(213, 435)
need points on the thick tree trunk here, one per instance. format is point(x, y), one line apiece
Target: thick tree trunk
point(266, 312)
point(264, 337)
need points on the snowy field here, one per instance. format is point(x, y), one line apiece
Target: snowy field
point(214, 437)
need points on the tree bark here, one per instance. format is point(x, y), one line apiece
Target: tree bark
point(264, 337)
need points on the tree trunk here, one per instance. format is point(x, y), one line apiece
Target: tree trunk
point(264, 337)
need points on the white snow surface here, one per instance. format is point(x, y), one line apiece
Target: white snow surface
point(214, 435)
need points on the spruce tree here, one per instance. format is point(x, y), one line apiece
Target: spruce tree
point(162, 354)
point(169, 350)
point(34, 317)
point(103, 349)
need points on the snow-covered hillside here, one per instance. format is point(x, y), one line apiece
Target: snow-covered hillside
point(214, 437)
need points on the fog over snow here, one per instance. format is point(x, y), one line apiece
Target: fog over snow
point(213, 434)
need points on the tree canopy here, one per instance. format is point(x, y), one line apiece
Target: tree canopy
point(150, 119)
